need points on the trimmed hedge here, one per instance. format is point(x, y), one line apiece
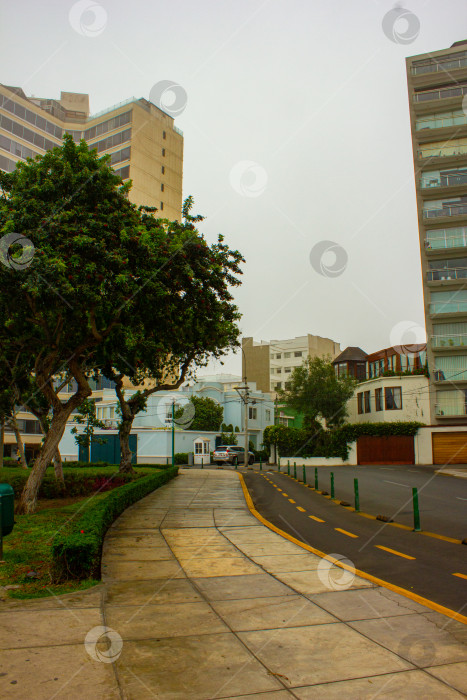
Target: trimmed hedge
point(76, 554)
point(299, 442)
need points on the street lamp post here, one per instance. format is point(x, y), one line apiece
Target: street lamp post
point(244, 393)
point(173, 433)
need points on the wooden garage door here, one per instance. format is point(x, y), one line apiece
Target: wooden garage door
point(390, 449)
point(449, 448)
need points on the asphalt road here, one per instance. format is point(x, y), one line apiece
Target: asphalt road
point(419, 563)
point(387, 490)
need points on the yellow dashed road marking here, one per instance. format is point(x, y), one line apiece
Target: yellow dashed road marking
point(285, 494)
point(393, 551)
point(345, 532)
point(291, 500)
point(302, 510)
point(460, 575)
point(318, 520)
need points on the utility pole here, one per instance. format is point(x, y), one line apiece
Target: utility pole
point(173, 433)
point(244, 393)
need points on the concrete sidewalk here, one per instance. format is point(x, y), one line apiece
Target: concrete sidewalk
point(203, 601)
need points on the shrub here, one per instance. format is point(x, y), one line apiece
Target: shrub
point(76, 483)
point(76, 553)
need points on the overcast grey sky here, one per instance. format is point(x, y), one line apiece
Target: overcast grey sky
point(313, 93)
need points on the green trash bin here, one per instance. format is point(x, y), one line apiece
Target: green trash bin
point(7, 509)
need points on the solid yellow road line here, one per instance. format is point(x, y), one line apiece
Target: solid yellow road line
point(394, 551)
point(318, 520)
point(302, 510)
point(460, 575)
point(363, 574)
point(291, 500)
point(344, 532)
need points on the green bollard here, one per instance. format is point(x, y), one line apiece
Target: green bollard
point(202, 462)
point(260, 464)
point(295, 470)
point(304, 474)
point(167, 461)
point(357, 497)
point(416, 511)
point(288, 468)
point(332, 485)
point(279, 468)
point(279, 461)
point(316, 478)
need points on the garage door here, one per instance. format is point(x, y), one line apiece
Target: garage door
point(449, 448)
point(390, 449)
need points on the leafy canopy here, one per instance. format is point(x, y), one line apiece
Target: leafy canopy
point(316, 391)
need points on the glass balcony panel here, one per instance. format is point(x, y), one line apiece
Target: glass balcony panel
point(440, 121)
point(448, 307)
point(446, 341)
point(437, 179)
point(438, 239)
point(446, 274)
point(446, 210)
point(441, 94)
point(442, 151)
point(450, 374)
point(439, 66)
point(451, 408)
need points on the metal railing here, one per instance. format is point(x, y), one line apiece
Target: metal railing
point(450, 374)
point(449, 210)
point(440, 94)
point(440, 243)
point(440, 122)
point(451, 409)
point(440, 66)
point(449, 341)
point(447, 152)
point(448, 307)
point(444, 181)
point(444, 275)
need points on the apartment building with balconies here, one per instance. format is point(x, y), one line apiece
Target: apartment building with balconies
point(142, 140)
point(437, 84)
point(270, 363)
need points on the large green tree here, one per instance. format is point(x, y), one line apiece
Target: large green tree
point(197, 320)
point(207, 414)
point(103, 276)
point(318, 393)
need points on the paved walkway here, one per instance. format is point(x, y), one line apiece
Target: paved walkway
point(205, 602)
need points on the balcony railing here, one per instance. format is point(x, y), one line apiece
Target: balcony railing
point(448, 151)
point(440, 122)
point(450, 374)
point(444, 181)
point(441, 94)
point(451, 409)
point(449, 210)
point(449, 341)
point(448, 307)
point(458, 273)
point(440, 66)
point(444, 240)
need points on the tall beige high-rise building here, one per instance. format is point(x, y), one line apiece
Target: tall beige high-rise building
point(143, 142)
point(437, 85)
point(270, 364)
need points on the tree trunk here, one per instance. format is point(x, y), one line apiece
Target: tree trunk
point(19, 441)
point(28, 499)
point(124, 435)
point(58, 466)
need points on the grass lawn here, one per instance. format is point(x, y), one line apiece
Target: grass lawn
point(27, 550)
